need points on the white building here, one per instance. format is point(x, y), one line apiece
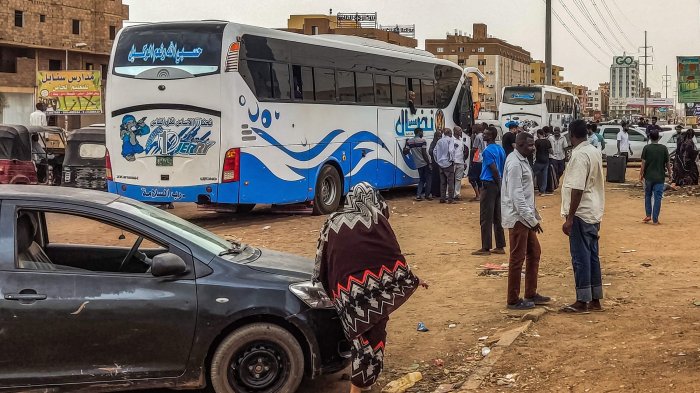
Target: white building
point(595, 101)
point(624, 83)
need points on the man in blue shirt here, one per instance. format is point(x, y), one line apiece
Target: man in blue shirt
point(494, 158)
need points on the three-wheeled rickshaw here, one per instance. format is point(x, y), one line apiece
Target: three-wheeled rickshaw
point(16, 165)
point(48, 150)
point(84, 163)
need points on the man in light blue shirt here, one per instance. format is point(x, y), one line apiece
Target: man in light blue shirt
point(494, 158)
point(523, 222)
point(444, 156)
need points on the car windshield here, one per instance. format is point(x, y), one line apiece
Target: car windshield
point(174, 224)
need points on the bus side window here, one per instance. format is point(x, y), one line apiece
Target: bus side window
point(399, 93)
point(324, 84)
point(259, 73)
point(383, 89)
point(365, 88)
point(346, 86)
point(303, 83)
point(280, 81)
point(414, 86)
point(428, 92)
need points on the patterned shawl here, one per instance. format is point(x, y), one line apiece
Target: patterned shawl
point(359, 262)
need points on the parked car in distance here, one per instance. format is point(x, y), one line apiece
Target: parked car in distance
point(669, 138)
point(637, 140)
point(104, 293)
point(84, 165)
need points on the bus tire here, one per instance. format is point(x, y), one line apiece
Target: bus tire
point(329, 191)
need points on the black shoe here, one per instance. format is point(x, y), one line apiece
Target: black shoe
point(451, 202)
point(428, 198)
point(443, 201)
point(539, 300)
point(522, 305)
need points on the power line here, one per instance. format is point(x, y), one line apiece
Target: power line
point(571, 15)
point(607, 25)
point(625, 16)
point(561, 21)
point(619, 26)
point(582, 7)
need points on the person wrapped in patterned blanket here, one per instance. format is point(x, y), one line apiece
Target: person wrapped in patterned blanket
point(361, 267)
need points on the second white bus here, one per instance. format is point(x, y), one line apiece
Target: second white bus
point(534, 107)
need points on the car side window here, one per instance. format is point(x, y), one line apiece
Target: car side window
point(610, 133)
point(636, 137)
point(55, 241)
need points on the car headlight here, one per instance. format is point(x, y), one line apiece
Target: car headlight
point(311, 294)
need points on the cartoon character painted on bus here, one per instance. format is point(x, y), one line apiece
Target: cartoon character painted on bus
point(129, 130)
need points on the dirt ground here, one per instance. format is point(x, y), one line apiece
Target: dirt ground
point(647, 340)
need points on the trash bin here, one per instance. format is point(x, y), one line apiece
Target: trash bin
point(617, 168)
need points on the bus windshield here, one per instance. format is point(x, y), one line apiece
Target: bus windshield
point(194, 48)
point(522, 96)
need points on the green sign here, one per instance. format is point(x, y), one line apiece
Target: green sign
point(688, 79)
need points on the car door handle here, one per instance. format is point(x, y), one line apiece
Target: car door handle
point(25, 296)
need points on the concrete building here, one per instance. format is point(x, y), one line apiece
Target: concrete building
point(579, 91)
point(502, 63)
point(598, 101)
point(329, 24)
point(624, 83)
point(39, 34)
point(538, 73)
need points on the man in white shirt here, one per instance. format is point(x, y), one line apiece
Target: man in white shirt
point(459, 160)
point(38, 117)
point(582, 205)
point(624, 148)
point(444, 156)
point(520, 216)
point(558, 156)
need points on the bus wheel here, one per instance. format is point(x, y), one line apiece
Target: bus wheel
point(244, 208)
point(329, 191)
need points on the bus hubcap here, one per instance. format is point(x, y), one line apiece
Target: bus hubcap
point(328, 191)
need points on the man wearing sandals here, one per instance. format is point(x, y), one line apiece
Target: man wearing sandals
point(582, 205)
point(523, 222)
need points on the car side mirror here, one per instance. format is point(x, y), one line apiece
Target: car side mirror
point(168, 264)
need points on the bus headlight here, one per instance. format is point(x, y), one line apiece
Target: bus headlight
point(312, 294)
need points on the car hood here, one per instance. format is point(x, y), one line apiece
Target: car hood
point(275, 262)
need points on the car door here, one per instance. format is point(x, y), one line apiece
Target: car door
point(68, 324)
point(610, 137)
point(637, 142)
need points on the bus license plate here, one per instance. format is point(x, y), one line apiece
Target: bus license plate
point(164, 161)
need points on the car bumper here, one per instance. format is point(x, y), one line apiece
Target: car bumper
point(329, 348)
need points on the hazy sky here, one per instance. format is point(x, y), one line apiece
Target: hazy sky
point(673, 25)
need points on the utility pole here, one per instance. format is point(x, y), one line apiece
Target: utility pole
point(548, 44)
point(646, 63)
point(666, 83)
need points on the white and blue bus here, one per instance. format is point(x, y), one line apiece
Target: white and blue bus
point(538, 106)
point(224, 114)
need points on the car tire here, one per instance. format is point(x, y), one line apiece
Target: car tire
point(329, 191)
point(266, 349)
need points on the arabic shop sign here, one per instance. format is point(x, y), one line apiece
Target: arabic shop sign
point(150, 53)
point(70, 92)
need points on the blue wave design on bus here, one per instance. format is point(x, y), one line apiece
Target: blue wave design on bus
point(314, 152)
point(153, 53)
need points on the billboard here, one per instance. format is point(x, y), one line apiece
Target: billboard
point(688, 79)
point(70, 92)
point(651, 102)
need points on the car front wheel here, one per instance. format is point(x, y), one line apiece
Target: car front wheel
point(258, 358)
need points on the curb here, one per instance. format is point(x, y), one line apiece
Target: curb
point(486, 364)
